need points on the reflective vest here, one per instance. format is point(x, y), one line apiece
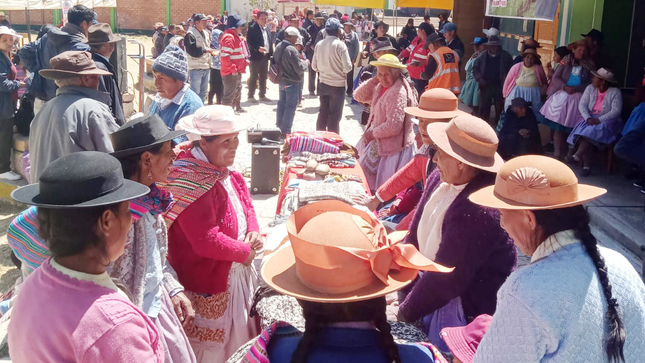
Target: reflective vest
point(447, 73)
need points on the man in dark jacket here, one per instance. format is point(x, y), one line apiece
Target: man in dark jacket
point(313, 31)
point(304, 33)
point(103, 44)
point(293, 67)
point(261, 49)
point(449, 32)
point(36, 55)
point(309, 19)
point(490, 70)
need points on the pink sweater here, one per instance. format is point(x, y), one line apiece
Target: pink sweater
point(57, 318)
point(514, 73)
point(389, 123)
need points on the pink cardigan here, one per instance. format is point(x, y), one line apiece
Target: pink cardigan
point(57, 318)
point(514, 73)
point(389, 123)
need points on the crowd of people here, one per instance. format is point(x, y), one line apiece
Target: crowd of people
point(141, 237)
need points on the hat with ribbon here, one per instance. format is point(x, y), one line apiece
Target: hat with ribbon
point(533, 182)
point(437, 103)
point(354, 261)
point(468, 139)
point(605, 74)
point(388, 60)
point(101, 34)
point(81, 180)
point(210, 121)
point(72, 64)
point(141, 134)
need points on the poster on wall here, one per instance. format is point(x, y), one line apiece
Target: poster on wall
point(523, 9)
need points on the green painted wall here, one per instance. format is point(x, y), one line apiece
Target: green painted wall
point(584, 15)
point(616, 25)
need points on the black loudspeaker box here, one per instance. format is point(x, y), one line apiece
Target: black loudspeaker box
point(265, 169)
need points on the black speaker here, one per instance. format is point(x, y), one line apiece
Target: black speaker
point(265, 169)
point(119, 61)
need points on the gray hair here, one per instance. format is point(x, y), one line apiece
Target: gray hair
point(72, 81)
point(396, 72)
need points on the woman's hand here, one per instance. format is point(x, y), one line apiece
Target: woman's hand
point(368, 135)
point(255, 240)
point(183, 309)
point(249, 260)
point(569, 90)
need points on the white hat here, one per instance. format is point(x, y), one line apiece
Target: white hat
point(6, 30)
point(291, 32)
point(299, 41)
point(492, 31)
point(210, 121)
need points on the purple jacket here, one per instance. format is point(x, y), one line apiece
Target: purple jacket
point(472, 242)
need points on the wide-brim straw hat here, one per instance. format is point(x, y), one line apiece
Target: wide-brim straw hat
point(436, 103)
point(388, 60)
point(72, 64)
point(468, 139)
point(354, 261)
point(605, 74)
point(211, 120)
point(534, 182)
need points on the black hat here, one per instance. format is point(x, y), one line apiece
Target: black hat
point(199, 17)
point(520, 102)
point(81, 180)
point(596, 35)
point(140, 135)
point(433, 38)
point(382, 44)
point(426, 27)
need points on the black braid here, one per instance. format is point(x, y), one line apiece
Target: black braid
point(318, 315)
point(577, 218)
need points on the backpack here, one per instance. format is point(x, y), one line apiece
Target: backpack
point(275, 70)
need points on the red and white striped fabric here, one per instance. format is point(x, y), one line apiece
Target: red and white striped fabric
point(232, 53)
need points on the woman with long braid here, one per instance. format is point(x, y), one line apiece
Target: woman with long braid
point(575, 301)
point(340, 277)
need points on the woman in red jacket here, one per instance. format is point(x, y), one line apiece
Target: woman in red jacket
point(213, 234)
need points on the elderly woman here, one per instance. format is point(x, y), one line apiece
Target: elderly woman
point(575, 299)
point(600, 123)
point(213, 234)
point(69, 310)
point(470, 90)
point(452, 231)
point(565, 90)
point(143, 146)
point(388, 141)
point(526, 80)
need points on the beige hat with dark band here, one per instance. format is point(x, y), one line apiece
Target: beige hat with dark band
point(72, 64)
point(468, 139)
point(534, 182)
point(436, 103)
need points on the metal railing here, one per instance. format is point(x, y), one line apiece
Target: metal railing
point(141, 58)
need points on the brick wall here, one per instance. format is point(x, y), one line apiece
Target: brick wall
point(36, 17)
point(181, 11)
point(140, 14)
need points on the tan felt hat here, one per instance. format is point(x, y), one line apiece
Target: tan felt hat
point(533, 182)
point(71, 64)
point(468, 139)
point(341, 254)
point(436, 103)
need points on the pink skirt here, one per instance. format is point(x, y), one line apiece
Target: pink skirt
point(562, 108)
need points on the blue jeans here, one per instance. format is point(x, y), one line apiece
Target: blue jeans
point(287, 105)
point(199, 82)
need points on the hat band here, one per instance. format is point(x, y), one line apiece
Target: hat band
point(514, 192)
point(439, 105)
point(70, 193)
point(469, 143)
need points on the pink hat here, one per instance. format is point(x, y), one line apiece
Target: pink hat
point(464, 340)
point(256, 12)
point(210, 121)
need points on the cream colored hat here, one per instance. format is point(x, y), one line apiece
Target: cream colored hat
point(468, 139)
point(534, 182)
point(210, 121)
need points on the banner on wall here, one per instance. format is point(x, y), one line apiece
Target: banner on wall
point(432, 4)
point(53, 4)
point(375, 4)
point(523, 9)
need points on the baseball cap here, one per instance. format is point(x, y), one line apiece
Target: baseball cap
point(332, 24)
point(448, 28)
point(291, 32)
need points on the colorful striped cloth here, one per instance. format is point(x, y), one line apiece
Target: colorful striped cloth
point(315, 142)
point(155, 202)
point(23, 239)
point(189, 179)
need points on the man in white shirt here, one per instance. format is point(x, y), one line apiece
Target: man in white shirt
point(261, 50)
point(331, 60)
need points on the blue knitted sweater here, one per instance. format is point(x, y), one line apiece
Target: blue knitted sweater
point(553, 310)
point(170, 115)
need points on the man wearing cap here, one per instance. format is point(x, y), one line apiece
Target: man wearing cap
point(331, 60)
point(261, 50)
point(4, 21)
point(174, 99)
point(233, 62)
point(417, 55)
point(36, 55)
point(77, 119)
point(451, 230)
point(293, 69)
point(293, 22)
point(352, 43)
point(449, 32)
point(160, 33)
point(197, 42)
point(310, 48)
point(102, 42)
point(442, 69)
point(490, 70)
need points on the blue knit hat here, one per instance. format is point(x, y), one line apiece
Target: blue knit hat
point(172, 62)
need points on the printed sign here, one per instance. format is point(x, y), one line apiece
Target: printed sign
point(523, 9)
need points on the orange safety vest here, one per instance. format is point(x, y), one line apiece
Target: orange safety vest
point(447, 73)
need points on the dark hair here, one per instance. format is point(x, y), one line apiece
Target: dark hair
point(69, 232)
point(310, 12)
point(426, 17)
point(385, 26)
point(80, 13)
point(577, 218)
point(562, 51)
point(318, 315)
point(171, 27)
point(130, 163)
point(262, 13)
point(332, 32)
